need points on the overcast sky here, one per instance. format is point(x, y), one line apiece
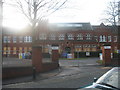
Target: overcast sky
point(78, 11)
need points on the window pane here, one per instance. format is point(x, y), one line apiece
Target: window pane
point(61, 37)
point(14, 50)
point(70, 37)
point(4, 50)
point(20, 39)
point(20, 49)
point(5, 39)
point(79, 37)
point(14, 39)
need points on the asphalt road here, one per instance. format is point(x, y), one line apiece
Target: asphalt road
point(74, 74)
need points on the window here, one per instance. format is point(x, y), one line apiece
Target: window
point(61, 37)
point(20, 39)
point(14, 39)
point(8, 50)
point(27, 39)
point(96, 38)
point(8, 39)
point(109, 39)
point(78, 48)
point(45, 49)
point(14, 50)
point(25, 49)
point(88, 37)
point(20, 49)
point(94, 46)
point(86, 47)
point(115, 38)
point(42, 36)
point(30, 39)
point(30, 48)
point(79, 37)
point(52, 37)
point(4, 50)
point(102, 38)
point(115, 49)
point(5, 39)
point(70, 37)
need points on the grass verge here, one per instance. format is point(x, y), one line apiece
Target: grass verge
point(101, 62)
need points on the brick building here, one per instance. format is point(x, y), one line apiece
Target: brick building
point(80, 39)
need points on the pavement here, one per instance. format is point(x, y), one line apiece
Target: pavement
point(15, 62)
point(29, 78)
point(68, 67)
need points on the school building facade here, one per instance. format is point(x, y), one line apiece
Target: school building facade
point(79, 39)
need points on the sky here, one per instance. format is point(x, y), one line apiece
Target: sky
point(78, 11)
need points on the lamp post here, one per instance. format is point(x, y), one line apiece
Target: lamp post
point(1, 18)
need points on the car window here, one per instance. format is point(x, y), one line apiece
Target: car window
point(110, 78)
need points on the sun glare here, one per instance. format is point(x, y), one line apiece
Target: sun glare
point(18, 24)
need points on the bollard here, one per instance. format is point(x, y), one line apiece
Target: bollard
point(34, 73)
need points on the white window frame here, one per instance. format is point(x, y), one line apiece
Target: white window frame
point(14, 39)
point(88, 36)
point(20, 39)
point(27, 39)
point(30, 39)
point(5, 39)
point(109, 38)
point(102, 38)
point(79, 37)
point(70, 37)
point(115, 38)
point(61, 37)
point(8, 39)
point(42, 36)
point(93, 46)
point(96, 38)
point(52, 37)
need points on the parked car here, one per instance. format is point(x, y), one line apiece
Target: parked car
point(109, 81)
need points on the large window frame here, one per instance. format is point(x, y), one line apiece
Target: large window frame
point(42, 36)
point(79, 37)
point(70, 36)
point(61, 37)
point(14, 39)
point(88, 37)
point(52, 37)
point(102, 38)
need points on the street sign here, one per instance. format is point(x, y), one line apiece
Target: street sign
point(107, 47)
point(55, 48)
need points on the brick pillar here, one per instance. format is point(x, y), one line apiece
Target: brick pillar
point(55, 53)
point(106, 52)
point(37, 57)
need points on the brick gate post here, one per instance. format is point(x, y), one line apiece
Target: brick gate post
point(37, 58)
point(55, 53)
point(106, 52)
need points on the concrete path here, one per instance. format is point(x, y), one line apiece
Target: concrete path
point(70, 72)
point(81, 62)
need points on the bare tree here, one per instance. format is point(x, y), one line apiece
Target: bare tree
point(35, 10)
point(111, 13)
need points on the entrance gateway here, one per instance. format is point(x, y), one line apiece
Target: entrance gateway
point(67, 49)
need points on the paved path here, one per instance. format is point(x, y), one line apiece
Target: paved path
point(16, 62)
point(72, 74)
point(81, 62)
